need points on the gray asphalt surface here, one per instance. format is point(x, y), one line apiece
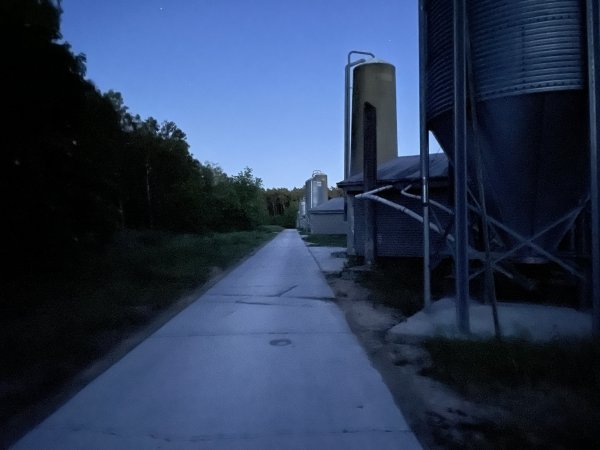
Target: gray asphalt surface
point(263, 360)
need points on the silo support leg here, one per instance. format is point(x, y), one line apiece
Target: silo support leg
point(460, 169)
point(593, 41)
point(370, 180)
point(424, 153)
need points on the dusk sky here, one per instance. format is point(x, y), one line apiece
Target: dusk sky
point(257, 83)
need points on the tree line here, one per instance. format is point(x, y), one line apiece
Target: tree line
point(79, 165)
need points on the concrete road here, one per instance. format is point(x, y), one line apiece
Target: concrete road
point(263, 360)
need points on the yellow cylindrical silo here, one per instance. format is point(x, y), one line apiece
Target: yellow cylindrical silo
point(374, 82)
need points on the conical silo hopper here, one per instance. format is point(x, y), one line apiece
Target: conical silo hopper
point(528, 66)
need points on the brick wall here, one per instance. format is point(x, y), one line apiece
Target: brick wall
point(399, 235)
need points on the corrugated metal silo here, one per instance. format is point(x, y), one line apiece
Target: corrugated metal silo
point(529, 77)
point(315, 190)
point(308, 193)
point(375, 82)
point(302, 207)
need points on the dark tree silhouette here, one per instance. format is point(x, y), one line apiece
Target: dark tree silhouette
point(78, 165)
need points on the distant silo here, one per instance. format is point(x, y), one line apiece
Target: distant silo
point(302, 219)
point(374, 82)
point(316, 191)
point(302, 207)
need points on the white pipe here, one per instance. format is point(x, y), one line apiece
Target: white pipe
point(431, 202)
point(369, 195)
point(523, 241)
point(375, 191)
point(404, 209)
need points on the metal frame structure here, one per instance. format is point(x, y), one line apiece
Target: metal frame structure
point(461, 245)
point(459, 242)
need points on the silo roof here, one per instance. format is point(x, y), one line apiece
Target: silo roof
point(374, 61)
point(335, 205)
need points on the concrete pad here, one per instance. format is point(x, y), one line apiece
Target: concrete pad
point(327, 258)
point(235, 371)
point(517, 320)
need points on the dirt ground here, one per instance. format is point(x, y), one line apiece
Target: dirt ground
point(441, 417)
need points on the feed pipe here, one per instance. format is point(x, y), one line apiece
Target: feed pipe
point(347, 105)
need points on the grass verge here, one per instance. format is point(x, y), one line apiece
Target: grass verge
point(55, 323)
point(552, 390)
point(462, 363)
point(326, 240)
point(398, 283)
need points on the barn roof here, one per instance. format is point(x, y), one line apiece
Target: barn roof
point(403, 169)
point(335, 205)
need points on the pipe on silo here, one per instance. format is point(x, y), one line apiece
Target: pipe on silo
point(347, 105)
point(370, 179)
